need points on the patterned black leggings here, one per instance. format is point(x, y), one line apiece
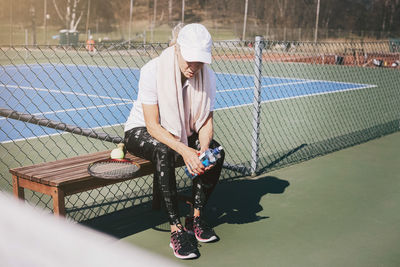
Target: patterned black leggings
point(140, 143)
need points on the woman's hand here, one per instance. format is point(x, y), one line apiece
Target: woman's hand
point(191, 158)
point(202, 150)
point(190, 155)
point(205, 136)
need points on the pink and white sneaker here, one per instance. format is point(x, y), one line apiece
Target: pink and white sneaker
point(200, 229)
point(182, 245)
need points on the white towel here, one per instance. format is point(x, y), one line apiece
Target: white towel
point(181, 114)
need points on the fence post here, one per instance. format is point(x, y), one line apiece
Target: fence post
point(258, 46)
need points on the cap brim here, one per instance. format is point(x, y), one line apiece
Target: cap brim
point(193, 55)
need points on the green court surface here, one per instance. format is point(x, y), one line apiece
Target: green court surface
point(335, 210)
point(341, 209)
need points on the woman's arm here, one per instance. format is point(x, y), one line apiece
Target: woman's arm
point(206, 133)
point(189, 155)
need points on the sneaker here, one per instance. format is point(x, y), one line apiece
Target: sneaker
point(203, 232)
point(189, 224)
point(182, 245)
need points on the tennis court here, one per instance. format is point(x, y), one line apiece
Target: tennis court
point(95, 96)
point(305, 214)
point(337, 210)
point(307, 110)
point(309, 107)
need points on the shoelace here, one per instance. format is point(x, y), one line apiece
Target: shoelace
point(201, 224)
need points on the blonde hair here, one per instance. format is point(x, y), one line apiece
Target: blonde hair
point(175, 32)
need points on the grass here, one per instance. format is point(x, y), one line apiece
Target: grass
point(140, 32)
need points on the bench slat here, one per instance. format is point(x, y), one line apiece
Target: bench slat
point(72, 174)
point(65, 171)
point(61, 162)
point(67, 183)
point(83, 185)
point(38, 172)
point(80, 175)
point(35, 173)
point(52, 176)
point(69, 176)
point(73, 170)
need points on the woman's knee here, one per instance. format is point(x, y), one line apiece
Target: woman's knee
point(135, 141)
point(164, 153)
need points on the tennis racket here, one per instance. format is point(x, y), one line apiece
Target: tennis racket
point(113, 168)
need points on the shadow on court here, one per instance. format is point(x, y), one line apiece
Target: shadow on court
point(233, 202)
point(238, 202)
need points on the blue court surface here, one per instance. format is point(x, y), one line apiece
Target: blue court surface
point(95, 96)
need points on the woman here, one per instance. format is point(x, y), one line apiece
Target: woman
point(172, 117)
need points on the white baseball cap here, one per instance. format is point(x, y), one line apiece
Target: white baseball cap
point(195, 43)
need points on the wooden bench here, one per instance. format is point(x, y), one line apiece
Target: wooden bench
point(69, 176)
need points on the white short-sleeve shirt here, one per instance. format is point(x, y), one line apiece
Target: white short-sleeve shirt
point(148, 93)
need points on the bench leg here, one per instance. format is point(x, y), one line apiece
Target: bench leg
point(58, 202)
point(17, 190)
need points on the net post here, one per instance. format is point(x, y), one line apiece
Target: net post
point(258, 47)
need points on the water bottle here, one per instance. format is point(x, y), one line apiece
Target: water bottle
point(209, 157)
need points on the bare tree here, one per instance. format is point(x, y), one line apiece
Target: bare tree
point(395, 9)
point(67, 12)
point(169, 11)
point(282, 6)
point(33, 21)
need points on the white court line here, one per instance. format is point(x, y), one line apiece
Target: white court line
point(252, 75)
point(300, 81)
point(222, 73)
point(47, 65)
point(264, 86)
point(95, 66)
point(231, 107)
point(290, 78)
point(301, 96)
point(25, 66)
point(77, 109)
point(63, 92)
point(54, 134)
point(31, 66)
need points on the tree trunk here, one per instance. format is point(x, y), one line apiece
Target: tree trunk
point(170, 12)
point(393, 13)
point(68, 15)
point(385, 10)
point(33, 21)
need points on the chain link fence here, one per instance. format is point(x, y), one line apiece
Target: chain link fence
point(278, 103)
point(308, 34)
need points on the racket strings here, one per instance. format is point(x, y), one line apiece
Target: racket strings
point(113, 169)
